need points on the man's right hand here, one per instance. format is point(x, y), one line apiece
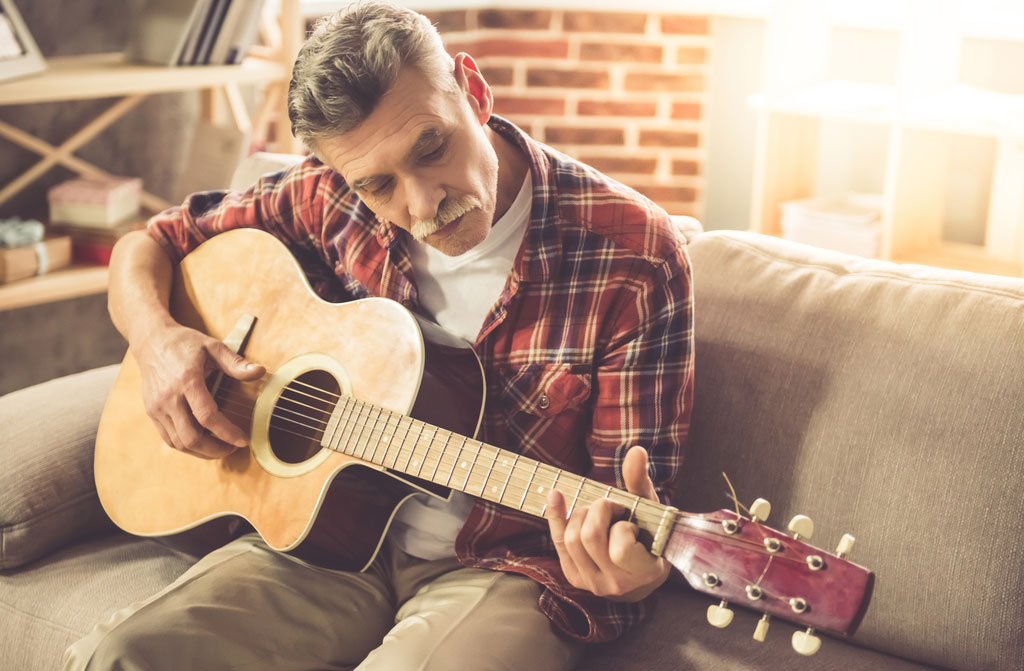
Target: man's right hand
point(175, 363)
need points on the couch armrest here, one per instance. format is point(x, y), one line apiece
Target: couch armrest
point(47, 492)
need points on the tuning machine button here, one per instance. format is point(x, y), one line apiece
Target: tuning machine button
point(761, 630)
point(760, 510)
point(845, 545)
point(720, 616)
point(805, 642)
point(801, 526)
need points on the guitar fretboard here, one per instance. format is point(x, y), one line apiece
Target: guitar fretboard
point(400, 443)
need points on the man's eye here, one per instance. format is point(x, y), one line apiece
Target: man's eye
point(437, 153)
point(381, 188)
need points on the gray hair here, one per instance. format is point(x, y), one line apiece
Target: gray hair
point(352, 59)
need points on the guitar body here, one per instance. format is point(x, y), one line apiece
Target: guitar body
point(322, 505)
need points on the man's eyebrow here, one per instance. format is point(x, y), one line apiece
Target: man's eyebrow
point(423, 142)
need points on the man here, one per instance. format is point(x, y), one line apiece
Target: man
point(576, 293)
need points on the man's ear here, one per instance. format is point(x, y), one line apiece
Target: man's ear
point(474, 86)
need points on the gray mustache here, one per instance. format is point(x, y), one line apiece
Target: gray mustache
point(451, 208)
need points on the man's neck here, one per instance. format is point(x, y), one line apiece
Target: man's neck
point(512, 168)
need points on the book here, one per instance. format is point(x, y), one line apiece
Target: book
point(245, 33)
point(214, 19)
point(162, 31)
point(195, 30)
point(19, 263)
point(93, 245)
point(233, 18)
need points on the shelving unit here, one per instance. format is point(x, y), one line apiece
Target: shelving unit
point(921, 117)
point(108, 76)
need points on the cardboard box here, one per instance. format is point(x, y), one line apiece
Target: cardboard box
point(95, 202)
point(42, 257)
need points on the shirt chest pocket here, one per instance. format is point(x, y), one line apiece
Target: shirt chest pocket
point(542, 391)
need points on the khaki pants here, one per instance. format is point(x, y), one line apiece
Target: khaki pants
point(246, 606)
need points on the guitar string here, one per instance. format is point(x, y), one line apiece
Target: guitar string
point(361, 427)
point(510, 480)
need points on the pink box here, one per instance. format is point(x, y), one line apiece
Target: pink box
point(96, 202)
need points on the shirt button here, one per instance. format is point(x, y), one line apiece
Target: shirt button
point(543, 402)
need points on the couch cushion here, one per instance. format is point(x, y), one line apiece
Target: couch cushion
point(66, 594)
point(47, 494)
point(882, 400)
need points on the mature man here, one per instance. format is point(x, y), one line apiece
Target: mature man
point(575, 292)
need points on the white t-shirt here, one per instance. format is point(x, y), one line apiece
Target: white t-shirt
point(458, 292)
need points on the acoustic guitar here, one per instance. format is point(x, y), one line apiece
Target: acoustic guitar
point(365, 404)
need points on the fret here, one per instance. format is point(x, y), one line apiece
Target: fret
point(368, 438)
point(456, 464)
point(487, 475)
point(444, 449)
point(332, 426)
point(346, 429)
point(575, 498)
point(510, 471)
point(554, 485)
point(529, 484)
point(408, 424)
point(415, 442)
point(383, 434)
point(357, 440)
point(632, 511)
point(426, 450)
point(469, 471)
point(388, 437)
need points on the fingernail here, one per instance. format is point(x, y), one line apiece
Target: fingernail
point(240, 443)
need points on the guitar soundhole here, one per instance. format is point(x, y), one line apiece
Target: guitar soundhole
point(301, 414)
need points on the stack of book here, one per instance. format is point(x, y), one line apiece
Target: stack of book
point(195, 32)
point(25, 252)
point(94, 213)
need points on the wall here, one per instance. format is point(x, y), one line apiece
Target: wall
point(625, 92)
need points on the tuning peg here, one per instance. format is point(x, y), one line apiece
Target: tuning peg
point(805, 642)
point(760, 510)
point(845, 545)
point(720, 616)
point(801, 526)
point(761, 631)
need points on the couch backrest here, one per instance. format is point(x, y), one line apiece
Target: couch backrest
point(886, 401)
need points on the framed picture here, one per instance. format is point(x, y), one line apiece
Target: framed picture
point(19, 54)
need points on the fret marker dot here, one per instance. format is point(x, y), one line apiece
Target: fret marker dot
point(540, 489)
point(494, 488)
point(462, 465)
point(413, 462)
point(505, 462)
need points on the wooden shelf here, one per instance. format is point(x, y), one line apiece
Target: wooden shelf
point(960, 256)
point(108, 75)
point(71, 282)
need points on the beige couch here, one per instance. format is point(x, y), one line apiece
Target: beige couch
point(881, 400)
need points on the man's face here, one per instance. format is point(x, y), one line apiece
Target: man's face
point(423, 161)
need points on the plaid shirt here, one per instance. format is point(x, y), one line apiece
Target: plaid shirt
point(587, 351)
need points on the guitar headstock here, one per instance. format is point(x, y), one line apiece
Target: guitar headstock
point(742, 560)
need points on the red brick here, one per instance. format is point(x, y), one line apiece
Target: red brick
point(604, 22)
point(559, 135)
point(610, 164)
point(512, 47)
point(636, 53)
point(661, 81)
point(447, 21)
point(614, 108)
point(514, 18)
point(684, 25)
point(514, 105)
point(574, 79)
point(686, 110)
point(673, 194)
point(669, 138)
point(685, 167)
point(497, 76)
point(691, 55)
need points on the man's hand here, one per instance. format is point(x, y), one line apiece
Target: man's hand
point(175, 362)
point(599, 556)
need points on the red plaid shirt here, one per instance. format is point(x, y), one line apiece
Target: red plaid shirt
point(595, 319)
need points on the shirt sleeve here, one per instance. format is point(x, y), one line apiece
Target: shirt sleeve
point(284, 204)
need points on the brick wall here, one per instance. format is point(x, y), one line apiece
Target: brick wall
point(624, 92)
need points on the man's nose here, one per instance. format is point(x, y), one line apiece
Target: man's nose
point(424, 198)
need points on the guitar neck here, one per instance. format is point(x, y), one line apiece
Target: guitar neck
point(406, 445)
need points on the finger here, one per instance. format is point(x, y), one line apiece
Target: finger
point(233, 363)
point(209, 417)
point(635, 473)
point(586, 565)
point(627, 553)
point(594, 535)
point(190, 435)
point(554, 513)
